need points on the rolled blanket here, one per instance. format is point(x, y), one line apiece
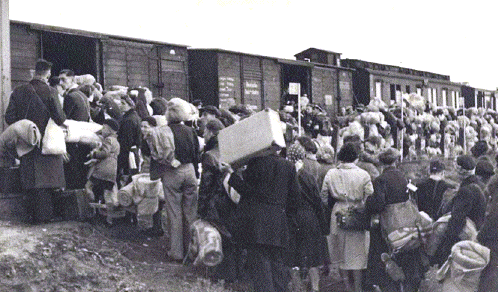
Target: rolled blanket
point(462, 270)
point(23, 135)
point(125, 195)
point(206, 243)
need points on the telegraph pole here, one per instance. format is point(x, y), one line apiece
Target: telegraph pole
point(5, 78)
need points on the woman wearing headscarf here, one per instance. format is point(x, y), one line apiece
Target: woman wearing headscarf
point(310, 244)
point(349, 186)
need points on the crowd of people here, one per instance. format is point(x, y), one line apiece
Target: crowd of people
point(279, 213)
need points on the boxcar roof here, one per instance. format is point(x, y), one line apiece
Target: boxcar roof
point(57, 29)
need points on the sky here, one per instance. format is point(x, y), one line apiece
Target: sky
point(456, 38)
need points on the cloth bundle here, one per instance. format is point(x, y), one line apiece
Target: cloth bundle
point(142, 192)
point(439, 227)
point(462, 270)
point(206, 243)
point(22, 135)
point(82, 132)
point(182, 109)
point(402, 225)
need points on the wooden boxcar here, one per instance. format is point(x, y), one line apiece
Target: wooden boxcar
point(332, 84)
point(390, 82)
point(478, 97)
point(113, 60)
point(222, 78)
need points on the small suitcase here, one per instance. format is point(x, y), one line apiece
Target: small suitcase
point(75, 205)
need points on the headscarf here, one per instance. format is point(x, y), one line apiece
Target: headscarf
point(295, 152)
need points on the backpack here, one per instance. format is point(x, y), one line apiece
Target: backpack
point(161, 142)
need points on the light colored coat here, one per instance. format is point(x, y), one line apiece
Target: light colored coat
point(350, 186)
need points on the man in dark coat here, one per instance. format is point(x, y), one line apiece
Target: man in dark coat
point(129, 135)
point(390, 188)
point(40, 174)
point(268, 189)
point(76, 107)
point(429, 194)
point(469, 202)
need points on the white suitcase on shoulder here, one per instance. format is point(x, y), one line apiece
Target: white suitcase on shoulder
point(251, 137)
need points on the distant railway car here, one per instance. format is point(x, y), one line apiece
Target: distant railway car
point(113, 60)
point(219, 77)
point(332, 85)
point(477, 97)
point(390, 82)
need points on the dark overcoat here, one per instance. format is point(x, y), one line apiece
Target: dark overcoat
point(129, 135)
point(37, 102)
point(389, 188)
point(268, 189)
point(488, 236)
point(469, 202)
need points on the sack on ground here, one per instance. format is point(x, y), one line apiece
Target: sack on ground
point(53, 140)
point(206, 243)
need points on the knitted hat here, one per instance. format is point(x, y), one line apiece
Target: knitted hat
point(466, 162)
point(295, 152)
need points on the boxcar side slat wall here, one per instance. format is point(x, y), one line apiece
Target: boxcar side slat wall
point(229, 78)
point(172, 75)
point(345, 88)
point(271, 79)
point(126, 63)
point(252, 81)
point(24, 47)
point(324, 86)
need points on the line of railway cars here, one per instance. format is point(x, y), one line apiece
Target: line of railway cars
point(220, 77)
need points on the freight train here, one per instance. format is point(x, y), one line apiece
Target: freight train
point(221, 78)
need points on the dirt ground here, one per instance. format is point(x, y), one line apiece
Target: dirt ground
point(79, 256)
point(75, 256)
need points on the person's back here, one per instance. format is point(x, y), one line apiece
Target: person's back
point(469, 202)
point(429, 194)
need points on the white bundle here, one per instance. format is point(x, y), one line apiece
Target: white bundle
point(86, 79)
point(82, 132)
point(183, 109)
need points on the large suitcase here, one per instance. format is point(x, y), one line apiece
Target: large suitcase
point(251, 137)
